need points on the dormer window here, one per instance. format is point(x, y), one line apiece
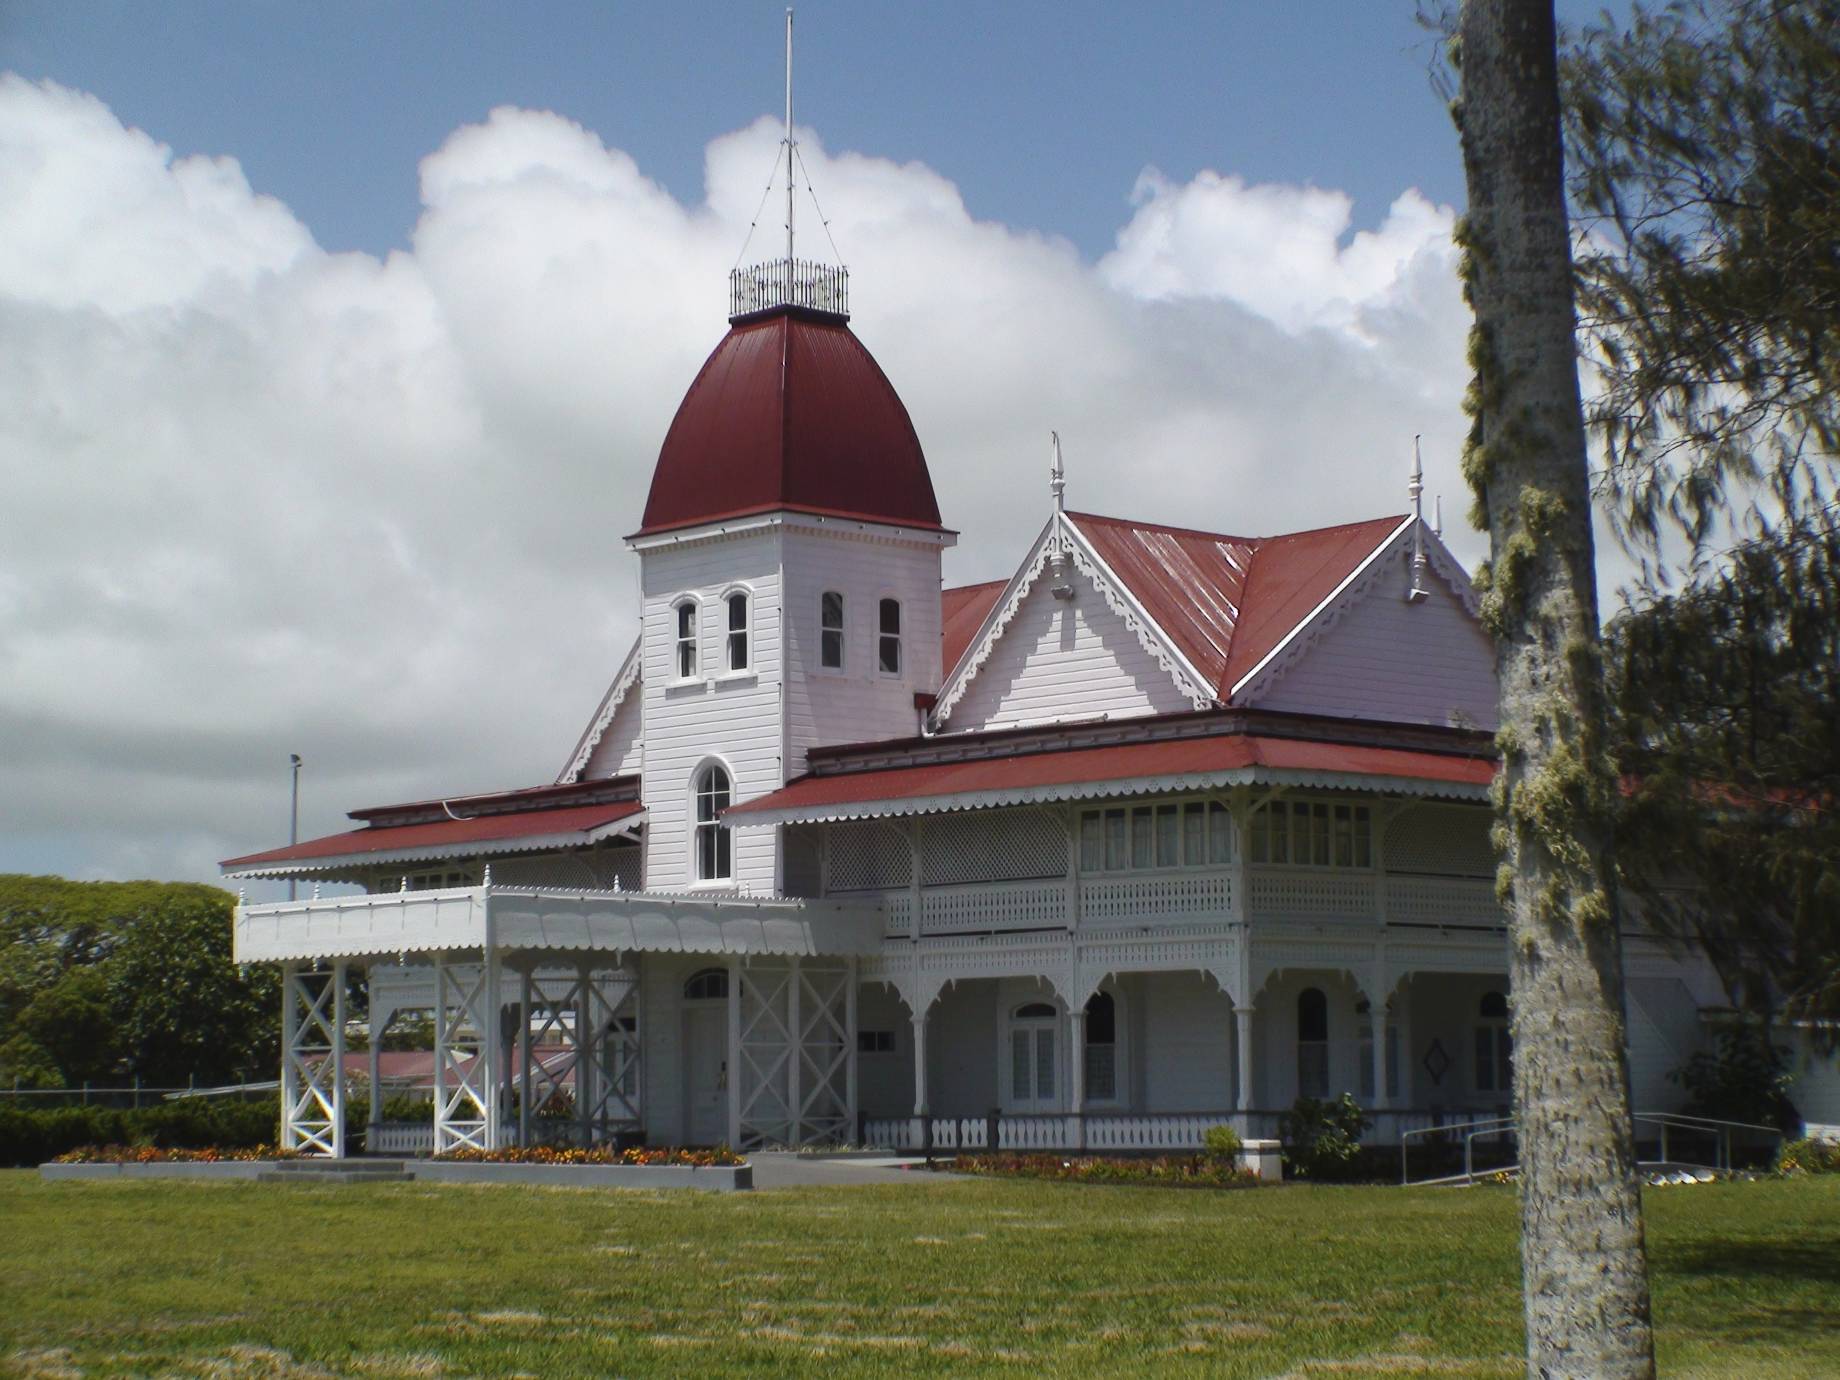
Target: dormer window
point(686, 640)
point(830, 630)
point(737, 642)
point(889, 649)
point(714, 851)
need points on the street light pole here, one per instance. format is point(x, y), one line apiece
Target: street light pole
point(294, 813)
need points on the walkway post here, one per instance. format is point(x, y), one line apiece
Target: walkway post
point(1242, 1041)
point(921, 1110)
point(734, 1054)
point(1076, 1070)
point(337, 1056)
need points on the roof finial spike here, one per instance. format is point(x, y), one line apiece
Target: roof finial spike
point(1437, 516)
point(791, 147)
point(1415, 592)
point(1057, 475)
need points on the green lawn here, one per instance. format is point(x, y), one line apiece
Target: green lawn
point(942, 1277)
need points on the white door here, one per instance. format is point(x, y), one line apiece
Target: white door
point(706, 1074)
point(1031, 1078)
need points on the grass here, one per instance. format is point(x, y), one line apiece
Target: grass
point(946, 1277)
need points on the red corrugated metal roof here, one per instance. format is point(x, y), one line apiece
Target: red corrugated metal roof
point(575, 819)
point(1122, 762)
point(962, 613)
point(1226, 601)
point(790, 412)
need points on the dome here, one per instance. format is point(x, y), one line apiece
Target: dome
point(790, 412)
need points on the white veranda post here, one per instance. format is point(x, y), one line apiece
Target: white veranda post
point(468, 1048)
point(312, 1060)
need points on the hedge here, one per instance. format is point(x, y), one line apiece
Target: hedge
point(32, 1135)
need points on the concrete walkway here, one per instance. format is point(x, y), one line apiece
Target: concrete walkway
point(781, 1169)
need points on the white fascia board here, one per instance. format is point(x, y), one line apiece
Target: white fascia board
point(1305, 625)
point(1199, 685)
point(623, 681)
point(789, 518)
point(1101, 790)
point(525, 843)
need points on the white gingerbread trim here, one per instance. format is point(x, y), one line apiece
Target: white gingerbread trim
point(1062, 538)
point(623, 682)
point(1317, 621)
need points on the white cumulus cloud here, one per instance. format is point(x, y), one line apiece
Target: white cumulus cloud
point(260, 498)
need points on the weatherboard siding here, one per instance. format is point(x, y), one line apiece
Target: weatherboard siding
point(716, 716)
point(859, 703)
point(1063, 659)
point(1388, 660)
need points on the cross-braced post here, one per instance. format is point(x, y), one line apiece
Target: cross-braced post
point(611, 1051)
point(464, 1065)
point(766, 1049)
point(312, 1061)
point(823, 1103)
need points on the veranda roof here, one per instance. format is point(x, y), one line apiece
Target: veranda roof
point(1121, 769)
point(523, 832)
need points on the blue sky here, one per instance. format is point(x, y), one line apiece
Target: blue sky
point(1043, 114)
point(341, 339)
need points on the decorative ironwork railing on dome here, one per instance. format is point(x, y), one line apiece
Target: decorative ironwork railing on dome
point(789, 283)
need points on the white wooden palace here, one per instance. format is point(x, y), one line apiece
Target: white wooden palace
point(1164, 831)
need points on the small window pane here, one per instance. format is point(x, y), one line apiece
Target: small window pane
point(1261, 835)
point(1363, 839)
point(1319, 835)
point(1101, 1072)
point(1092, 842)
point(1019, 1085)
point(891, 617)
point(1344, 836)
point(1140, 837)
point(1115, 857)
point(1220, 833)
point(1168, 837)
point(1044, 1062)
point(737, 632)
point(1485, 1059)
point(830, 622)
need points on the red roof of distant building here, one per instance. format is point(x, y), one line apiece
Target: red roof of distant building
point(962, 613)
point(1172, 757)
point(571, 824)
point(1227, 601)
point(790, 412)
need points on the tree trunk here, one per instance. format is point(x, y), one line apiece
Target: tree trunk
point(1584, 1271)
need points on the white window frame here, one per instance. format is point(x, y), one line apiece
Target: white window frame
point(1327, 1042)
point(1361, 851)
point(898, 636)
point(693, 641)
point(841, 628)
point(699, 826)
point(745, 632)
point(1121, 1063)
point(1098, 856)
point(1054, 1026)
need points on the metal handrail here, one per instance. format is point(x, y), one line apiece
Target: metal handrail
point(1721, 1130)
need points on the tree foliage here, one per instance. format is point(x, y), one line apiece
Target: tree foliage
point(1728, 707)
point(1703, 161)
point(105, 981)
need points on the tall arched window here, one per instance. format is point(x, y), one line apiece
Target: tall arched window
point(889, 644)
point(1101, 1048)
point(1494, 1045)
point(714, 860)
point(738, 631)
point(830, 630)
point(1312, 1043)
point(686, 640)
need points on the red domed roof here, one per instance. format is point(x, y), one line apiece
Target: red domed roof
point(790, 412)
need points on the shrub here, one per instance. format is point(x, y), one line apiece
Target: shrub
point(1809, 1155)
point(1322, 1139)
point(1748, 1079)
point(1223, 1143)
point(1170, 1171)
point(33, 1135)
point(597, 1154)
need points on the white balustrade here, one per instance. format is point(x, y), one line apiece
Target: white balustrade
point(1156, 896)
point(994, 906)
point(1295, 891)
point(1442, 901)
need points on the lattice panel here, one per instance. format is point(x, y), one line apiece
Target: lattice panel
point(992, 846)
point(870, 856)
point(612, 869)
point(1440, 840)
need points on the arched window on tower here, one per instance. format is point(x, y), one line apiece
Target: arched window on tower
point(890, 640)
point(1312, 1043)
point(686, 640)
point(738, 631)
point(713, 848)
point(830, 630)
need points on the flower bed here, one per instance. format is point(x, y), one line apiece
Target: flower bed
point(156, 1154)
point(1170, 1171)
point(719, 1157)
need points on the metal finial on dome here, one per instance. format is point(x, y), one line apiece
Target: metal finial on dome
point(789, 281)
point(1057, 475)
point(1415, 489)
